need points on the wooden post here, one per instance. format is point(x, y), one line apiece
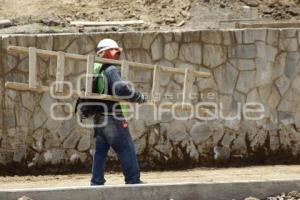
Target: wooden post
point(32, 67)
point(187, 86)
point(60, 72)
point(155, 84)
point(125, 70)
point(89, 74)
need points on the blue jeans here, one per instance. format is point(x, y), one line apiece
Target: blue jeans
point(114, 135)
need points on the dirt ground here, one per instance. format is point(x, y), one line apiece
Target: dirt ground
point(46, 16)
point(259, 173)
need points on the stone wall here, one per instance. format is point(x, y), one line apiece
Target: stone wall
point(247, 66)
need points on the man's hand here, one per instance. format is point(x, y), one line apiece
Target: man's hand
point(142, 98)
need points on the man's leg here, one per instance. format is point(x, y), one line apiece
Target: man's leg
point(99, 158)
point(124, 147)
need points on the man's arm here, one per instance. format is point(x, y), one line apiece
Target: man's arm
point(121, 88)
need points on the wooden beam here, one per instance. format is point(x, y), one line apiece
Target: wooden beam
point(59, 86)
point(103, 60)
point(89, 74)
point(32, 67)
point(108, 23)
point(295, 24)
point(155, 84)
point(75, 93)
point(187, 86)
point(125, 70)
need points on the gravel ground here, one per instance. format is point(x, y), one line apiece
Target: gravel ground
point(294, 195)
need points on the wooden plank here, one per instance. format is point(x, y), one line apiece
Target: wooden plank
point(60, 72)
point(107, 23)
point(125, 70)
point(75, 93)
point(89, 74)
point(268, 25)
point(32, 67)
point(102, 60)
point(187, 86)
point(155, 85)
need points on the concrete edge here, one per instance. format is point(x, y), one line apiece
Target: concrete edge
point(206, 190)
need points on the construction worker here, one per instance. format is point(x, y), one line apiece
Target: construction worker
point(115, 132)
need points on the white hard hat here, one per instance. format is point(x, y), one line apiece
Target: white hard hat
point(107, 44)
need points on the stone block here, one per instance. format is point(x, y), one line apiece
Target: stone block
point(171, 50)
point(282, 84)
point(65, 129)
point(20, 154)
point(138, 56)
point(258, 140)
point(84, 142)
point(62, 42)
point(39, 118)
point(288, 33)
point(165, 77)
point(226, 77)
point(253, 96)
point(245, 81)
point(137, 128)
point(200, 132)
point(279, 65)
point(287, 106)
point(148, 39)
point(292, 65)
point(140, 145)
point(297, 120)
point(44, 42)
point(238, 37)
point(26, 41)
point(264, 71)
point(273, 37)
point(265, 92)
point(211, 37)
point(168, 36)
point(204, 84)
point(214, 55)
point(266, 52)
point(23, 117)
point(191, 52)
point(244, 51)
point(157, 48)
point(51, 140)
point(251, 36)
point(228, 139)
point(146, 113)
point(132, 40)
point(190, 36)
point(72, 140)
point(11, 62)
point(221, 153)
point(54, 156)
point(239, 146)
point(176, 131)
point(228, 37)
point(243, 64)
point(288, 44)
point(274, 98)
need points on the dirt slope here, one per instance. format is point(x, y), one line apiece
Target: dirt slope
point(157, 14)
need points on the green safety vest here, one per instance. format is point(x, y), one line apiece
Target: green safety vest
point(101, 86)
